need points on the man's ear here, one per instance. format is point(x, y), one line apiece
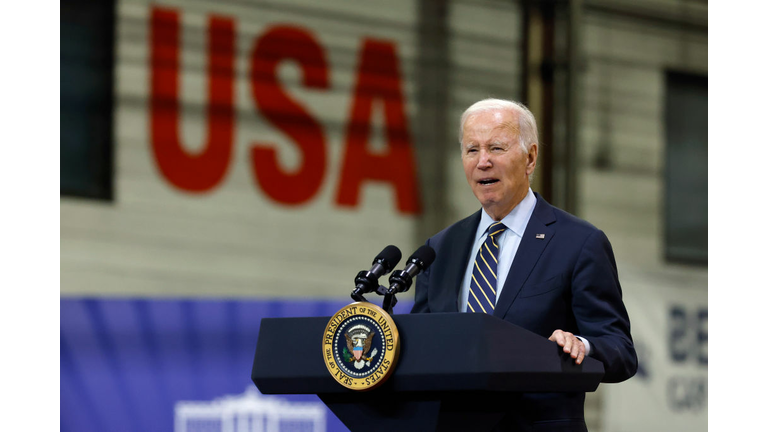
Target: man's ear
point(533, 154)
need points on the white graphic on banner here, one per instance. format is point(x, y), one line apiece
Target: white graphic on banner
point(249, 412)
point(670, 331)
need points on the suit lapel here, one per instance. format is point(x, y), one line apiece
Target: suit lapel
point(528, 254)
point(448, 273)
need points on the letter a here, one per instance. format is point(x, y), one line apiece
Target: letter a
point(378, 77)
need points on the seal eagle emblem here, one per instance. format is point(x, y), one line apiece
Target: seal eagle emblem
point(359, 340)
point(361, 346)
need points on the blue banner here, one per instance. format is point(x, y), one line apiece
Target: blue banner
point(177, 365)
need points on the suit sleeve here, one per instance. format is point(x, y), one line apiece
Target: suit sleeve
point(421, 304)
point(599, 310)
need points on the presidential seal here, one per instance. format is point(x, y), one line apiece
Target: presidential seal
point(361, 346)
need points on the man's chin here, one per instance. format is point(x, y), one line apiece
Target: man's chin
point(489, 198)
point(487, 202)
point(491, 206)
point(495, 208)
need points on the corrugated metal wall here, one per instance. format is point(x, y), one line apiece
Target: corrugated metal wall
point(234, 239)
point(622, 135)
point(628, 47)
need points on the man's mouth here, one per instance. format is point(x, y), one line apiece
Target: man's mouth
point(487, 181)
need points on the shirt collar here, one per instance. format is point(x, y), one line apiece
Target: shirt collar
point(515, 221)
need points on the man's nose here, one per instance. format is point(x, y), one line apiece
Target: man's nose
point(485, 160)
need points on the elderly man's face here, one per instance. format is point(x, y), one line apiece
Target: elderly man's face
point(496, 167)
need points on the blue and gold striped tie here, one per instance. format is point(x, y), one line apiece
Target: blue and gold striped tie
point(482, 288)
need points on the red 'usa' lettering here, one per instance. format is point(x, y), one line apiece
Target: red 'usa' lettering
point(378, 79)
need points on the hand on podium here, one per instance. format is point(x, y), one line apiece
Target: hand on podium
point(571, 344)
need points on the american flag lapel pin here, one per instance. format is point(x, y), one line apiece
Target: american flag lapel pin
point(539, 236)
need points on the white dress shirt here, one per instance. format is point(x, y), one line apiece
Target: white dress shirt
point(508, 242)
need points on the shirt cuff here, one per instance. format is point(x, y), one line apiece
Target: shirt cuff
point(586, 344)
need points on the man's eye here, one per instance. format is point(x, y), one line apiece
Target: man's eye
point(471, 150)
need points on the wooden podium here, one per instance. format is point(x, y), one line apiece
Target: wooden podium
point(457, 371)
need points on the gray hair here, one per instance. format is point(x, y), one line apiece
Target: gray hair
point(527, 134)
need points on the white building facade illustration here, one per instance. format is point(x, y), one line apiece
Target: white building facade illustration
point(249, 412)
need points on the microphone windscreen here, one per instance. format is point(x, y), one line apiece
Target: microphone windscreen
point(426, 255)
point(389, 257)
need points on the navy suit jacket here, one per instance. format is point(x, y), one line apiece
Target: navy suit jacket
point(567, 280)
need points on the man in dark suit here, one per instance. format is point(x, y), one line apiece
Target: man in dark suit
point(528, 263)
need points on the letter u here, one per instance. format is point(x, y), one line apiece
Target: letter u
point(202, 171)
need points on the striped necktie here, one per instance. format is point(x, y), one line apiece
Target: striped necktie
point(482, 288)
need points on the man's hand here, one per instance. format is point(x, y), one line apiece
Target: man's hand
point(570, 343)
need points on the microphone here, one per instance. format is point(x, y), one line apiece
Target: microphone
point(401, 280)
point(368, 281)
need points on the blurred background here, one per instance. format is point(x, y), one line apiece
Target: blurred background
point(226, 161)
